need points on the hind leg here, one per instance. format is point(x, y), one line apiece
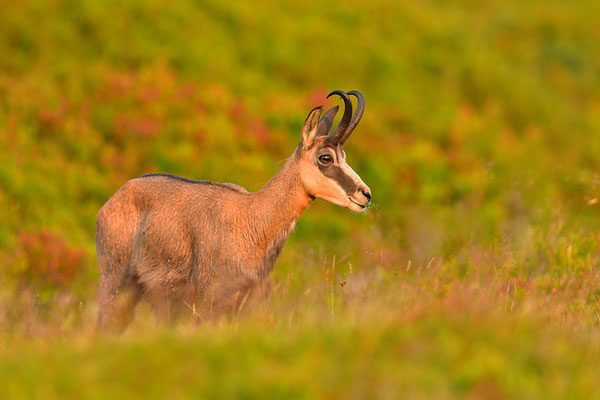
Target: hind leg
point(116, 303)
point(117, 224)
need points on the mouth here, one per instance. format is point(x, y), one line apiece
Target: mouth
point(363, 206)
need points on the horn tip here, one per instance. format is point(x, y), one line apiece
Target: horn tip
point(338, 92)
point(357, 94)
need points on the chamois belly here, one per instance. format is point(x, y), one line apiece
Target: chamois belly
point(174, 265)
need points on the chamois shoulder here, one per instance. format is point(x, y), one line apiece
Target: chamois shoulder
point(237, 188)
point(229, 186)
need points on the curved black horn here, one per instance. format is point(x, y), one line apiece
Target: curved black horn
point(360, 109)
point(336, 136)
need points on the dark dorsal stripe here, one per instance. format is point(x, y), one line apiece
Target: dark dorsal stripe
point(186, 180)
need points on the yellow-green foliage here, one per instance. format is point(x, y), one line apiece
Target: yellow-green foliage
point(475, 273)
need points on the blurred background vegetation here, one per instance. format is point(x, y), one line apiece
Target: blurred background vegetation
point(476, 273)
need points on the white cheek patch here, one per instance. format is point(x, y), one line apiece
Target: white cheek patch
point(331, 191)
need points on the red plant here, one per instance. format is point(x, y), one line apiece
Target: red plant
point(260, 132)
point(316, 97)
point(50, 260)
point(143, 126)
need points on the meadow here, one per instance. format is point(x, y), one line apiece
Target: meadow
point(475, 273)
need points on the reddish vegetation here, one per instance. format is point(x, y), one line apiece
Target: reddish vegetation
point(51, 118)
point(248, 124)
point(50, 259)
point(260, 132)
point(316, 97)
point(142, 126)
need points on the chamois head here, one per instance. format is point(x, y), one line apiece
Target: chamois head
point(323, 168)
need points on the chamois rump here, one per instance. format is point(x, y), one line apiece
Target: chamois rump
point(175, 241)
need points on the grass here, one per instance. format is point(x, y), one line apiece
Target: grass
point(474, 275)
point(438, 330)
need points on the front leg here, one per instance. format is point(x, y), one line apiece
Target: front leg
point(234, 299)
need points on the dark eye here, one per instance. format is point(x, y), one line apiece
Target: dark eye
point(325, 158)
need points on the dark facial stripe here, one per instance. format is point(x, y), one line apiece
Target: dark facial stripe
point(336, 173)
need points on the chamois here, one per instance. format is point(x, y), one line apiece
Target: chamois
point(173, 241)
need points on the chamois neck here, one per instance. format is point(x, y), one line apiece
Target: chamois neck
point(272, 213)
point(284, 195)
point(274, 210)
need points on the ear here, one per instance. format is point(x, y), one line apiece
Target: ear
point(327, 121)
point(309, 130)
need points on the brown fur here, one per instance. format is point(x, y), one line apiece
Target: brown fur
point(180, 243)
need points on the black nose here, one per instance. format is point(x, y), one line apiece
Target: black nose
point(366, 193)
